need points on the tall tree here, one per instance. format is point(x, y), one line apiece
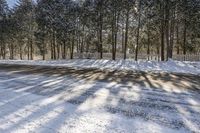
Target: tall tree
point(3, 27)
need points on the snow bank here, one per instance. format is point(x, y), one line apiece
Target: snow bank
point(147, 66)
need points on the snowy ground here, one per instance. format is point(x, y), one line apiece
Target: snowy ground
point(153, 66)
point(63, 103)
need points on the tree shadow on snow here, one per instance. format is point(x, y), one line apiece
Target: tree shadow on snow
point(67, 98)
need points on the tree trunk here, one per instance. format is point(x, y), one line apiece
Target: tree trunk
point(20, 51)
point(123, 38)
point(54, 45)
point(87, 44)
point(112, 37)
point(58, 50)
point(52, 50)
point(82, 40)
point(148, 41)
point(12, 51)
point(28, 52)
point(101, 29)
point(126, 33)
point(138, 32)
point(31, 49)
point(172, 35)
point(4, 51)
point(114, 32)
point(0, 51)
point(167, 27)
point(162, 33)
point(177, 40)
point(44, 51)
point(64, 49)
point(184, 37)
point(72, 48)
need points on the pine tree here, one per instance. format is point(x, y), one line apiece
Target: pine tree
point(3, 27)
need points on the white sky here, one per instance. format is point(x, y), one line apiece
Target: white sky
point(11, 3)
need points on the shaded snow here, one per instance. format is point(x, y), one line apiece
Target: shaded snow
point(42, 103)
point(152, 66)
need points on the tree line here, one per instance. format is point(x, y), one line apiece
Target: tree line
point(63, 27)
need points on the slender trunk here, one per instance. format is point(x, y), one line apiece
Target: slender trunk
point(31, 49)
point(184, 37)
point(0, 51)
point(4, 51)
point(101, 29)
point(52, 56)
point(162, 33)
point(167, 27)
point(54, 45)
point(12, 51)
point(172, 35)
point(114, 35)
point(1, 43)
point(20, 51)
point(64, 49)
point(100, 39)
point(72, 47)
point(126, 33)
point(44, 51)
point(138, 32)
point(58, 50)
point(116, 31)
point(148, 41)
point(82, 40)
point(78, 45)
point(87, 44)
point(28, 52)
point(177, 40)
point(31, 34)
point(158, 52)
point(43, 55)
point(123, 39)
point(113, 43)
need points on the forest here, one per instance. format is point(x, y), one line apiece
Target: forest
point(59, 29)
point(99, 66)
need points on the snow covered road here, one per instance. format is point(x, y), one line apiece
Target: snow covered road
point(45, 100)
